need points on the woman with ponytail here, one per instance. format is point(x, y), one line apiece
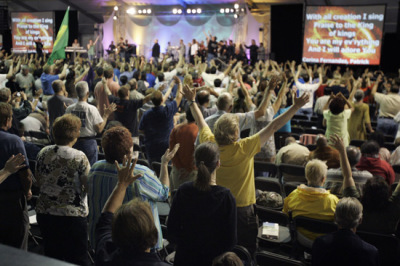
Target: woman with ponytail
point(202, 220)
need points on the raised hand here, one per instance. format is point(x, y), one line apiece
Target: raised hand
point(189, 93)
point(125, 173)
point(168, 155)
point(302, 100)
point(337, 142)
point(14, 163)
point(110, 109)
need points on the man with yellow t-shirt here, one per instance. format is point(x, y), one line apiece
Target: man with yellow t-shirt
point(237, 161)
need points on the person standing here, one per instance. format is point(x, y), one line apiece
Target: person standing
point(90, 48)
point(253, 52)
point(156, 51)
point(39, 48)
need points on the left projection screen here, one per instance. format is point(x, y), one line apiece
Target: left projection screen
point(27, 28)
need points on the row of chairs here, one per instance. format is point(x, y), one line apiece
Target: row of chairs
point(387, 245)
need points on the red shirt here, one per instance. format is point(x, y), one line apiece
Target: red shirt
point(320, 91)
point(376, 166)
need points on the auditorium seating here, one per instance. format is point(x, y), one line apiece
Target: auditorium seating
point(266, 258)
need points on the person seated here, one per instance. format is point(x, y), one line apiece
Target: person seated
point(334, 179)
point(371, 161)
point(292, 153)
point(61, 173)
point(126, 233)
point(325, 152)
point(205, 207)
point(117, 142)
point(381, 212)
point(227, 259)
point(344, 247)
point(312, 200)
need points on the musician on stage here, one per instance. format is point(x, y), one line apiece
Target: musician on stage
point(121, 47)
point(90, 48)
point(39, 48)
point(76, 44)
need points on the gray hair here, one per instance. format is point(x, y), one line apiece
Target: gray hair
point(353, 154)
point(224, 101)
point(82, 88)
point(348, 213)
point(359, 95)
point(316, 171)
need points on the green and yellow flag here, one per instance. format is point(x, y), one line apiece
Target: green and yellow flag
point(61, 41)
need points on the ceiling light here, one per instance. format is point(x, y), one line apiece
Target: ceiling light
point(149, 11)
point(115, 17)
point(140, 11)
point(199, 10)
point(236, 16)
point(131, 11)
point(226, 10)
point(222, 10)
point(174, 11)
point(188, 11)
point(236, 6)
point(179, 11)
point(144, 11)
point(116, 8)
point(193, 11)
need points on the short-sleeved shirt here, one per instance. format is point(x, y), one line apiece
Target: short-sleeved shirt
point(47, 80)
point(287, 127)
point(11, 145)
point(307, 88)
point(126, 112)
point(89, 116)
point(61, 172)
point(337, 124)
point(157, 123)
point(103, 177)
point(25, 82)
point(389, 104)
point(55, 106)
point(237, 166)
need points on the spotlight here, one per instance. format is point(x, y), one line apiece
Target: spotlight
point(235, 16)
point(131, 11)
point(144, 11)
point(149, 11)
point(232, 10)
point(174, 11)
point(116, 8)
point(199, 10)
point(188, 11)
point(115, 17)
point(222, 11)
point(242, 9)
point(179, 11)
point(236, 6)
point(193, 11)
point(227, 10)
point(140, 11)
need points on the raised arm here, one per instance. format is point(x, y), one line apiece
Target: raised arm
point(168, 155)
point(375, 87)
point(245, 92)
point(64, 72)
point(84, 73)
point(125, 178)
point(348, 180)
point(262, 108)
point(281, 120)
point(282, 92)
point(190, 95)
point(178, 97)
point(107, 112)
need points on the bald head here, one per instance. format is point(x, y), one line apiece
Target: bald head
point(289, 140)
point(321, 141)
point(353, 154)
point(203, 97)
point(225, 102)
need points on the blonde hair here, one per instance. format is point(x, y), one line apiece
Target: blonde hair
point(188, 80)
point(226, 129)
point(316, 171)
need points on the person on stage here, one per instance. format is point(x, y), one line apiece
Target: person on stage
point(76, 44)
point(39, 48)
point(121, 47)
point(156, 51)
point(90, 48)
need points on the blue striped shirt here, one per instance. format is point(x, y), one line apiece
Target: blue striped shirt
point(103, 177)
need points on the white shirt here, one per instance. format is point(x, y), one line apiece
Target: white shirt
point(308, 88)
point(320, 104)
point(209, 78)
point(168, 76)
point(194, 48)
point(3, 80)
point(89, 116)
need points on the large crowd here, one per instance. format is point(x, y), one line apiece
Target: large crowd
point(93, 146)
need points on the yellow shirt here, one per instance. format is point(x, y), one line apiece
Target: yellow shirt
point(237, 166)
point(316, 203)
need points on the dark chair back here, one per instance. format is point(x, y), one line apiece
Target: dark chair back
point(288, 188)
point(270, 168)
point(156, 166)
point(315, 225)
point(389, 138)
point(292, 173)
point(243, 254)
point(387, 245)
point(314, 131)
point(272, 216)
point(266, 258)
point(390, 146)
point(144, 162)
point(297, 130)
point(300, 117)
point(307, 124)
point(268, 184)
point(311, 147)
point(357, 142)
